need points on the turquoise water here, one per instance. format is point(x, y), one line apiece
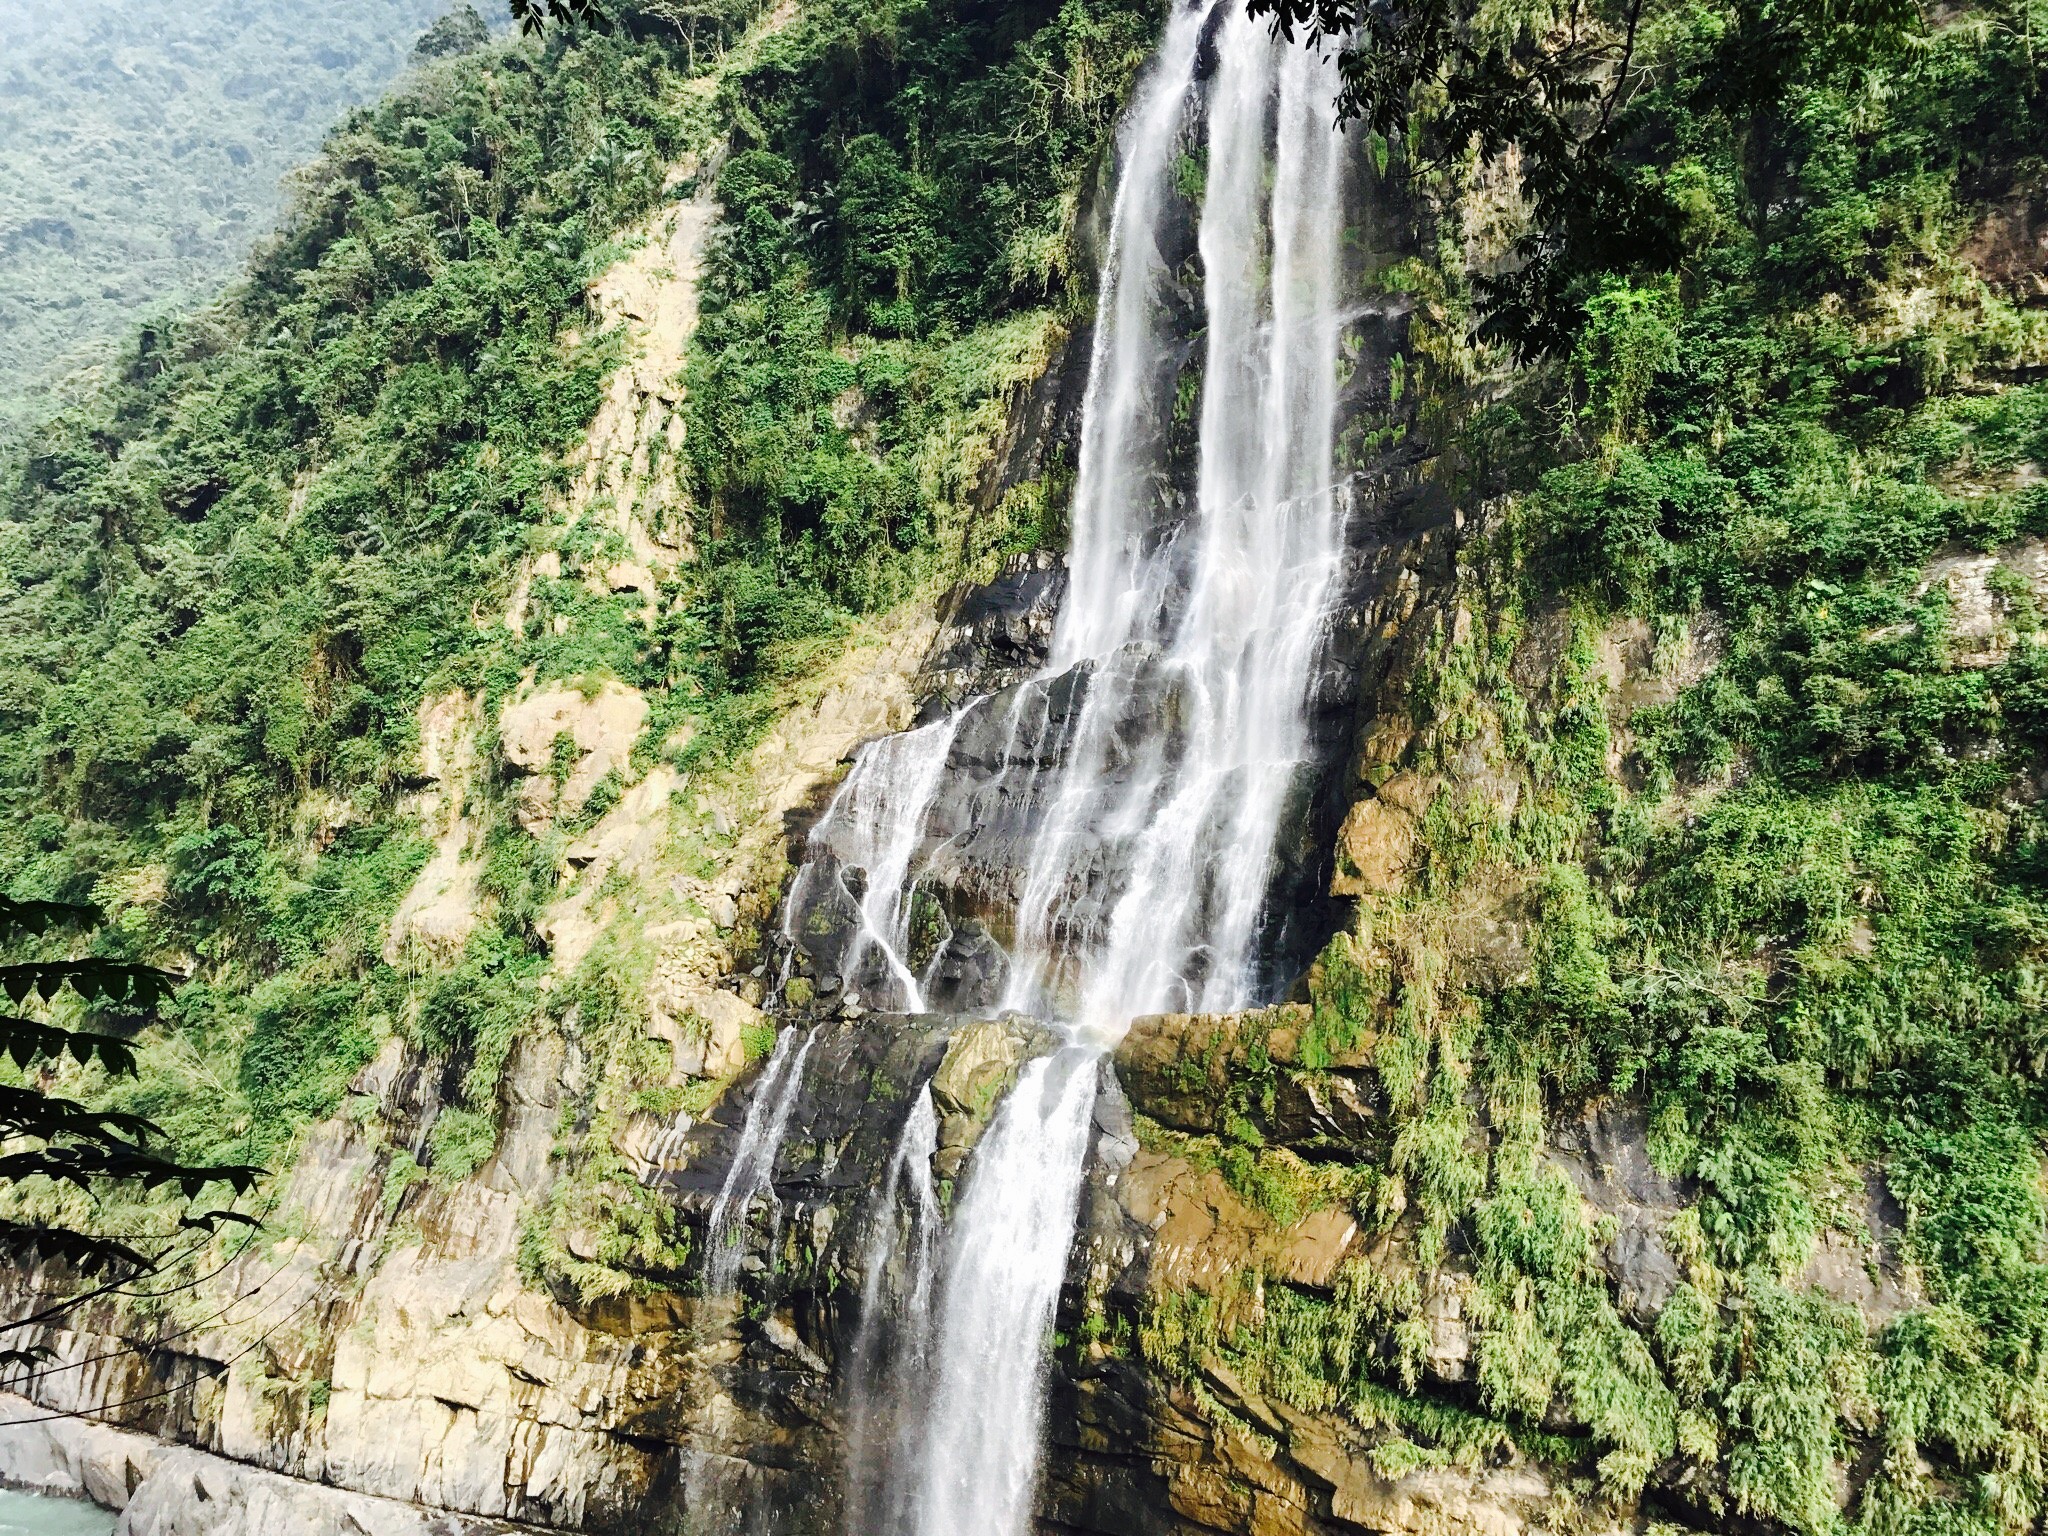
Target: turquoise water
point(25, 1514)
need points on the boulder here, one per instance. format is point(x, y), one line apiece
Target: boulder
point(603, 726)
point(1375, 850)
point(979, 1067)
point(190, 1493)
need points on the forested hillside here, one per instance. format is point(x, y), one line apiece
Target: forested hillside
point(233, 574)
point(1695, 818)
point(234, 571)
point(143, 150)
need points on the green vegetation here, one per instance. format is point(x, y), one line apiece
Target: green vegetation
point(886, 277)
point(1561, 85)
point(142, 144)
point(1784, 889)
point(56, 1142)
point(891, 270)
point(231, 574)
point(1790, 893)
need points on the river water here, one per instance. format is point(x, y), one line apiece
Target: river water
point(28, 1514)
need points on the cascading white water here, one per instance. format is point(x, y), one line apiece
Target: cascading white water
point(1193, 628)
point(888, 1360)
point(753, 1164)
point(978, 1450)
point(1195, 801)
point(1219, 617)
point(883, 801)
point(1196, 634)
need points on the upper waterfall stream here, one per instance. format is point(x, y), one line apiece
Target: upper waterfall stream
point(1114, 817)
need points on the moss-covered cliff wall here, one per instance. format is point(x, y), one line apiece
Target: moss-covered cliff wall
point(1660, 1142)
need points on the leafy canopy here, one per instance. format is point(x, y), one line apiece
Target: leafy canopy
point(75, 1144)
point(1555, 84)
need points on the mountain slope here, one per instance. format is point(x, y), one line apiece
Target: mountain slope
point(438, 645)
point(143, 147)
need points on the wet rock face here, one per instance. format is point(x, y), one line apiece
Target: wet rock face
point(997, 793)
point(995, 635)
point(998, 800)
point(857, 1081)
point(945, 944)
point(754, 1436)
point(1137, 1453)
point(1606, 1153)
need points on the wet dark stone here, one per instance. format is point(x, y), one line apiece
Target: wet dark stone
point(969, 972)
point(996, 635)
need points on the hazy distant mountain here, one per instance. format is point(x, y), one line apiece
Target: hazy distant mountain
point(142, 144)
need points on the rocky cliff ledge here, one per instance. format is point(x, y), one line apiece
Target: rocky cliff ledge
point(1288, 1310)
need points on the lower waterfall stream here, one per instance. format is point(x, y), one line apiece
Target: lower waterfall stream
point(753, 1164)
point(1175, 697)
point(892, 1351)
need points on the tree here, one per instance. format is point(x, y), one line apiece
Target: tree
point(55, 1138)
point(1451, 76)
point(711, 24)
point(536, 15)
point(457, 32)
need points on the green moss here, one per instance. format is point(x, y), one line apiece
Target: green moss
point(1345, 994)
point(461, 1142)
point(399, 1177)
point(1784, 890)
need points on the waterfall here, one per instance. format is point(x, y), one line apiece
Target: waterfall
point(978, 1452)
point(893, 1340)
point(882, 805)
point(1115, 817)
point(753, 1163)
point(1221, 675)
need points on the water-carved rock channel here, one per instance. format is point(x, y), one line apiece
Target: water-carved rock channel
point(1113, 835)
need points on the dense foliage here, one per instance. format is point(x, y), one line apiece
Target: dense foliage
point(231, 574)
point(1818, 942)
point(1790, 902)
point(142, 146)
point(1560, 85)
point(1795, 909)
point(903, 175)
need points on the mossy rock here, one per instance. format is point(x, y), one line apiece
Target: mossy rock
point(981, 1065)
